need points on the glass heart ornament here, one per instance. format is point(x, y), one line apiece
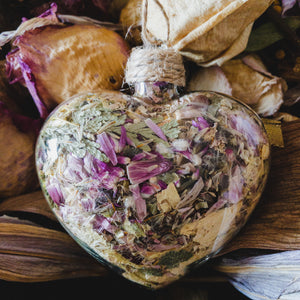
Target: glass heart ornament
point(155, 183)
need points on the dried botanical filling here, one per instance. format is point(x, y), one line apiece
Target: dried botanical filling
point(152, 188)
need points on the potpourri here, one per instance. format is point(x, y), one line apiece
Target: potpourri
point(152, 190)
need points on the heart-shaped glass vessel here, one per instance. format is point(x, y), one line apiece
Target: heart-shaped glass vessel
point(152, 189)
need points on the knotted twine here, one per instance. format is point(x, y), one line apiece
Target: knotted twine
point(154, 65)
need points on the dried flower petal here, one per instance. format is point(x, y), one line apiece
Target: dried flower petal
point(288, 7)
point(107, 147)
point(268, 276)
point(101, 223)
point(156, 129)
point(201, 123)
point(210, 79)
point(142, 170)
point(46, 18)
point(53, 188)
point(253, 84)
point(140, 203)
point(108, 176)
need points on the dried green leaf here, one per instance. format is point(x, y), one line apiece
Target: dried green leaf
point(171, 129)
point(268, 34)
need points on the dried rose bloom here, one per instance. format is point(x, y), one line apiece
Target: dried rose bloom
point(254, 85)
point(247, 79)
point(58, 61)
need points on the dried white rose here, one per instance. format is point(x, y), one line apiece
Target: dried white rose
point(253, 84)
point(246, 79)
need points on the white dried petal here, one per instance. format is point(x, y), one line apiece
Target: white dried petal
point(180, 144)
point(269, 276)
point(210, 79)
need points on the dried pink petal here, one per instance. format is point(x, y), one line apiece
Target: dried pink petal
point(156, 129)
point(288, 6)
point(142, 170)
point(107, 175)
point(54, 191)
point(101, 223)
point(140, 203)
point(107, 147)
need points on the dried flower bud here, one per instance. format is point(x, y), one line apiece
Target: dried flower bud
point(210, 79)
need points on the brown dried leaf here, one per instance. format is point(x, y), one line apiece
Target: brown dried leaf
point(31, 253)
point(29, 203)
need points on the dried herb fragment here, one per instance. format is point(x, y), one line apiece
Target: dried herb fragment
point(173, 258)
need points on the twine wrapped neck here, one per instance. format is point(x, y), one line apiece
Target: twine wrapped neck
point(155, 65)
